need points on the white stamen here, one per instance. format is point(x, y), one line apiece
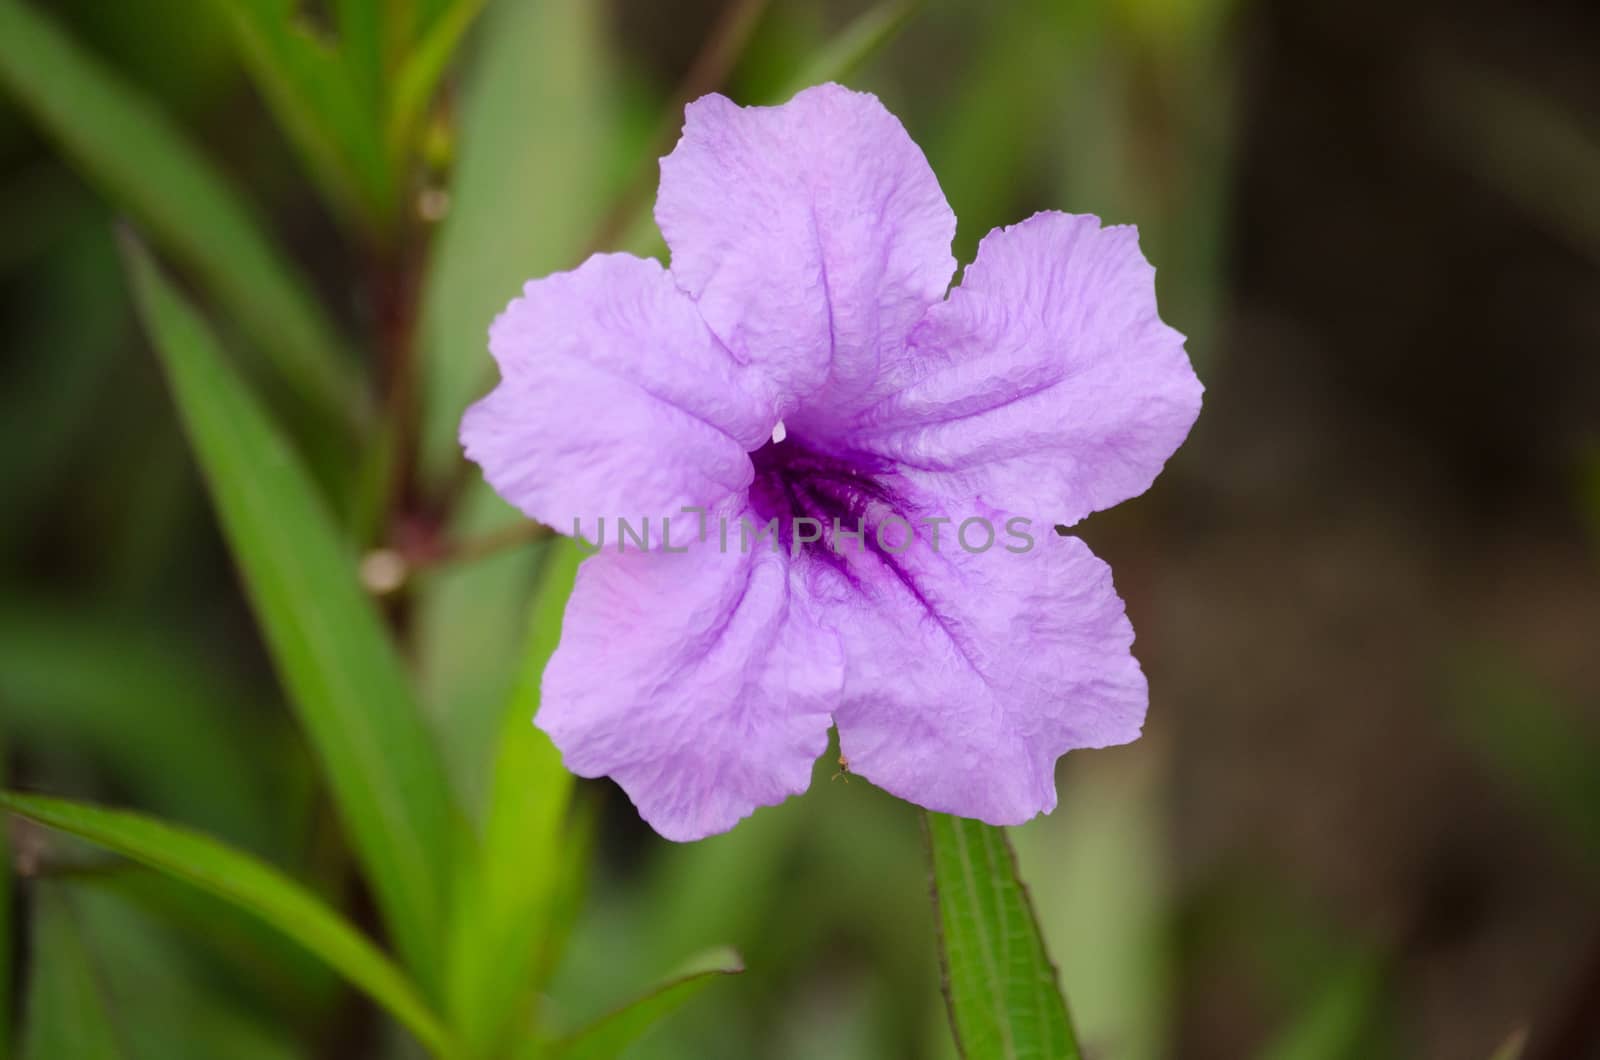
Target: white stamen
point(779, 433)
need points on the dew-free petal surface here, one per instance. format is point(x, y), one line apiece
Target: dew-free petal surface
point(614, 401)
point(700, 682)
point(1046, 385)
point(968, 675)
point(812, 235)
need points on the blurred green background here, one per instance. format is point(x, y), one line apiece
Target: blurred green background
point(1364, 820)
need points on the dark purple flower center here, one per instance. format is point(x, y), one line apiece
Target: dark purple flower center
point(794, 481)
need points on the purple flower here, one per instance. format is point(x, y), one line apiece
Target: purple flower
point(801, 361)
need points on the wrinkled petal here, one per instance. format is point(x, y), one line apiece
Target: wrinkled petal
point(813, 236)
point(968, 675)
point(700, 682)
point(1046, 384)
point(614, 401)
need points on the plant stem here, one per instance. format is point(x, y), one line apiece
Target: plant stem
point(387, 570)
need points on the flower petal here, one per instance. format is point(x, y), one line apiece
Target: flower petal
point(970, 674)
point(813, 235)
point(615, 401)
point(701, 683)
point(1046, 385)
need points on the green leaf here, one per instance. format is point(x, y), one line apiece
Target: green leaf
point(503, 908)
point(1100, 877)
point(1340, 1017)
point(168, 726)
point(234, 952)
point(607, 1036)
point(331, 112)
point(1535, 743)
point(68, 1016)
point(332, 653)
point(156, 980)
point(251, 885)
point(141, 162)
point(419, 75)
point(1000, 987)
point(469, 624)
point(857, 43)
point(365, 28)
point(988, 130)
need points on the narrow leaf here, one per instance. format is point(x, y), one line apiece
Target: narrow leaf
point(251, 885)
point(331, 112)
point(142, 163)
point(1099, 876)
point(172, 729)
point(342, 672)
point(610, 1034)
point(419, 75)
point(365, 28)
point(468, 627)
point(155, 979)
point(504, 906)
point(1000, 988)
point(68, 1014)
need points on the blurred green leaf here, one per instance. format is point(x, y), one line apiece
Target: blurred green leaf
point(6, 948)
point(1000, 987)
point(1538, 151)
point(1511, 1048)
point(985, 134)
point(423, 68)
point(152, 710)
point(503, 905)
point(251, 885)
point(1101, 882)
point(331, 112)
point(854, 45)
point(143, 164)
point(1588, 487)
point(1532, 740)
point(154, 983)
point(610, 1034)
point(68, 1016)
point(536, 146)
point(341, 669)
point(234, 953)
point(70, 315)
point(1340, 1018)
point(366, 32)
point(469, 622)
point(569, 890)
point(635, 229)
